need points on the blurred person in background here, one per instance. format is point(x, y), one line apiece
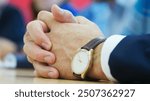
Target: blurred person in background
point(122, 11)
point(138, 19)
point(11, 24)
point(99, 12)
point(12, 29)
point(38, 5)
point(130, 17)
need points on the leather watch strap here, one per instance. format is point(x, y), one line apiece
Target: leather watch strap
point(93, 44)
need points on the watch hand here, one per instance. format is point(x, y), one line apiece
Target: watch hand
point(80, 59)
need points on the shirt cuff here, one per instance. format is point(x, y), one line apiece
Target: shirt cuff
point(108, 46)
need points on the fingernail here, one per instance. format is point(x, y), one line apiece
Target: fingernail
point(60, 10)
point(48, 59)
point(46, 46)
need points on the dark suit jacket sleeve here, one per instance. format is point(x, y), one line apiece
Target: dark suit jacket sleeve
point(129, 61)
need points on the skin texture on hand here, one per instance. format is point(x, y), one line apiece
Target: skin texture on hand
point(64, 40)
point(67, 38)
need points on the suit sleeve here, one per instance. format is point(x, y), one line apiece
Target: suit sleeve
point(127, 59)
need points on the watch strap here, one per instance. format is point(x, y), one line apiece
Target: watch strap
point(93, 44)
point(79, 76)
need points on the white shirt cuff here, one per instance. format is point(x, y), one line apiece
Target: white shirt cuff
point(108, 46)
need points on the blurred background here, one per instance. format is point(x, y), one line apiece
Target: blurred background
point(127, 17)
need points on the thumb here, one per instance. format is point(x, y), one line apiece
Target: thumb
point(62, 15)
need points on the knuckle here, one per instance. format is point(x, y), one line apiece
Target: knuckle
point(26, 37)
point(42, 14)
point(29, 59)
point(80, 17)
point(29, 25)
point(30, 29)
point(24, 49)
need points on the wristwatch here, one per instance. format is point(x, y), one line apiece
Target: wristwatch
point(82, 61)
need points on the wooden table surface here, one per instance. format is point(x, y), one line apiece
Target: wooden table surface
point(25, 76)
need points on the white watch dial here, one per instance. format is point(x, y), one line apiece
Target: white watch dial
point(80, 62)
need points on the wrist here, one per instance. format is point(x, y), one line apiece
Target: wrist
point(96, 72)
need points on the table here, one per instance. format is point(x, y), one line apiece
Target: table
point(25, 76)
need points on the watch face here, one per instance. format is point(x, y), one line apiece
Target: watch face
point(80, 62)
